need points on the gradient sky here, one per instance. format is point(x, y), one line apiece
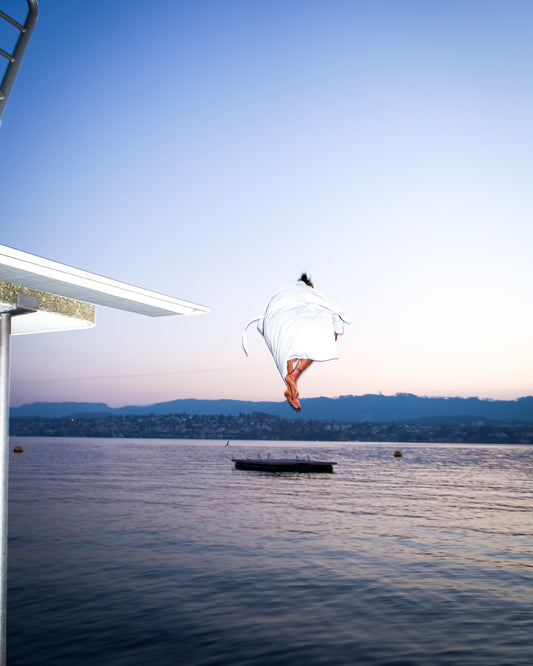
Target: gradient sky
point(214, 150)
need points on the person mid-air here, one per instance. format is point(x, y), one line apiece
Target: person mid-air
point(300, 325)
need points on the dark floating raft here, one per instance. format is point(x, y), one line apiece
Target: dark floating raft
point(271, 465)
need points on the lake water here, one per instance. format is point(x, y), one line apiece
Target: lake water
point(159, 552)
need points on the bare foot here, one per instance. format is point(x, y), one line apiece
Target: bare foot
point(293, 402)
point(290, 379)
point(292, 389)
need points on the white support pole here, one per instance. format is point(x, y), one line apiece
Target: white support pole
point(5, 333)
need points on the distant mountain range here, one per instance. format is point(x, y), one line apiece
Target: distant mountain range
point(354, 408)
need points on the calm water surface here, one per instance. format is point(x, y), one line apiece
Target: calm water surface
point(136, 552)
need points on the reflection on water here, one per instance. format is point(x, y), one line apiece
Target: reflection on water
point(139, 551)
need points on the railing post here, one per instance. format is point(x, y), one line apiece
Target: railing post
point(26, 304)
point(5, 335)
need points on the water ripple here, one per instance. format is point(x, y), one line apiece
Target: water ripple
point(126, 552)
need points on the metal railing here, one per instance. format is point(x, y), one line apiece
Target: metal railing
point(15, 58)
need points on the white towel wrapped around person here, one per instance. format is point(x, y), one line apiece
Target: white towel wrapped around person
point(299, 322)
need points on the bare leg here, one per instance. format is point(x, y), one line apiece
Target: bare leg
point(289, 379)
point(292, 392)
point(303, 364)
point(293, 374)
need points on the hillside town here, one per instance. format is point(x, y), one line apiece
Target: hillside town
point(259, 426)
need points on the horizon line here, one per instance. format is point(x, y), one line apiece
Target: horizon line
point(339, 397)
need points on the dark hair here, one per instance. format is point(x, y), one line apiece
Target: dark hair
point(305, 279)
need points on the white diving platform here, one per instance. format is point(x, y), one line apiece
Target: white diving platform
point(43, 275)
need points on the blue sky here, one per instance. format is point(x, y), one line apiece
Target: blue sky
point(215, 150)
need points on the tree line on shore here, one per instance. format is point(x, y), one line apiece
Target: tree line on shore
point(259, 426)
